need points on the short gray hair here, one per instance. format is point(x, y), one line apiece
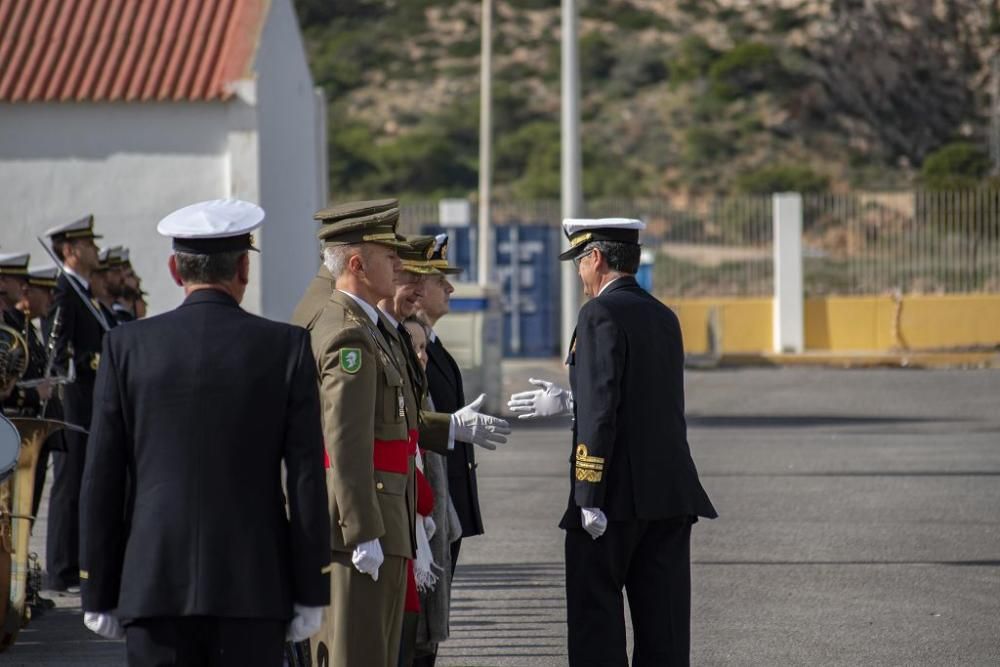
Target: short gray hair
point(335, 257)
point(621, 257)
point(207, 269)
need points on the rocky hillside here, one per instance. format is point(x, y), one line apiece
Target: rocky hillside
point(680, 97)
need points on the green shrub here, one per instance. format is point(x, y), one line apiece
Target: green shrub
point(637, 66)
point(955, 166)
point(703, 145)
point(691, 59)
point(597, 56)
point(746, 68)
point(465, 49)
point(623, 14)
point(781, 178)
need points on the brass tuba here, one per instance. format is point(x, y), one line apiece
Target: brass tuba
point(20, 446)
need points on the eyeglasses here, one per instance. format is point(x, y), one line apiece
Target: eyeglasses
point(579, 258)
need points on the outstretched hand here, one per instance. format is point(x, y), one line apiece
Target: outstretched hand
point(480, 429)
point(549, 401)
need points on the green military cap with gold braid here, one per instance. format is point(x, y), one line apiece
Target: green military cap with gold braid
point(417, 259)
point(372, 221)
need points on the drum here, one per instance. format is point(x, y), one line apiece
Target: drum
point(10, 447)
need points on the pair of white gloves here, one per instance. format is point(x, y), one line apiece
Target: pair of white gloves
point(554, 401)
point(305, 622)
point(467, 425)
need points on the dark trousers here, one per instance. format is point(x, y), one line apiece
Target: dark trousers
point(62, 542)
point(41, 470)
point(456, 547)
point(651, 561)
point(205, 641)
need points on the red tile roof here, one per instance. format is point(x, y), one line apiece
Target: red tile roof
point(126, 50)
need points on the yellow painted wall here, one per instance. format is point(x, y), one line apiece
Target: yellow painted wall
point(744, 323)
point(847, 323)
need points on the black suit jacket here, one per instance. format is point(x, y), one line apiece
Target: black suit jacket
point(445, 381)
point(198, 408)
point(630, 451)
point(80, 334)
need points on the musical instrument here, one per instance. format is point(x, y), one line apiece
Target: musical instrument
point(13, 356)
point(19, 573)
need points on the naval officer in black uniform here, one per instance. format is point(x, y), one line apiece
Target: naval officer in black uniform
point(634, 487)
point(80, 333)
point(197, 556)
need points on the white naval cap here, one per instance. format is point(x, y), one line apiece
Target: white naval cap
point(78, 229)
point(14, 264)
point(217, 225)
point(107, 256)
point(43, 276)
point(581, 231)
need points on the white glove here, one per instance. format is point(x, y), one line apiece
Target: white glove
point(429, 527)
point(103, 624)
point(549, 401)
point(368, 558)
point(470, 425)
point(304, 624)
point(594, 521)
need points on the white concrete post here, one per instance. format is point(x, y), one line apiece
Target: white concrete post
point(571, 163)
point(485, 246)
point(789, 332)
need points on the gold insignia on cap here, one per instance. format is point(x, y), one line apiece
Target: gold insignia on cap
point(588, 468)
point(580, 239)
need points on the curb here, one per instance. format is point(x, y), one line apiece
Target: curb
point(860, 359)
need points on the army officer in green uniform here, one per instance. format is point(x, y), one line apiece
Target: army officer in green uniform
point(371, 426)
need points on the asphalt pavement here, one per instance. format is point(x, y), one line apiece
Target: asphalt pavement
point(860, 525)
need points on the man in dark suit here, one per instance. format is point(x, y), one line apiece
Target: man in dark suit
point(79, 343)
point(634, 488)
point(185, 535)
point(448, 394)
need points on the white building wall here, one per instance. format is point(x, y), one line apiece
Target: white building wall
point(292, 163)
point(128, 164)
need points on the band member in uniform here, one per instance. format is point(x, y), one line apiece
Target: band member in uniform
point(371, 426)
point(23, 401)
point(197, 556)
point(118, 266)
point(38, 300)
point(634, 487)
point(79, 344)
point(102, 280)
point(444, 380)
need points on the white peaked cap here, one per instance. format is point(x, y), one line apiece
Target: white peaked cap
point(213, 219)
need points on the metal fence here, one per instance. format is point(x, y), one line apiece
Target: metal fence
point(855, 243)
point(911, 243)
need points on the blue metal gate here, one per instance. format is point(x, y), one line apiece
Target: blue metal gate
point(527, 270)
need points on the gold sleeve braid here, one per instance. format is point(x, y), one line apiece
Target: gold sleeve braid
point(588, 468)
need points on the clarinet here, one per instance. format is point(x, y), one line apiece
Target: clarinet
point(50, 354)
